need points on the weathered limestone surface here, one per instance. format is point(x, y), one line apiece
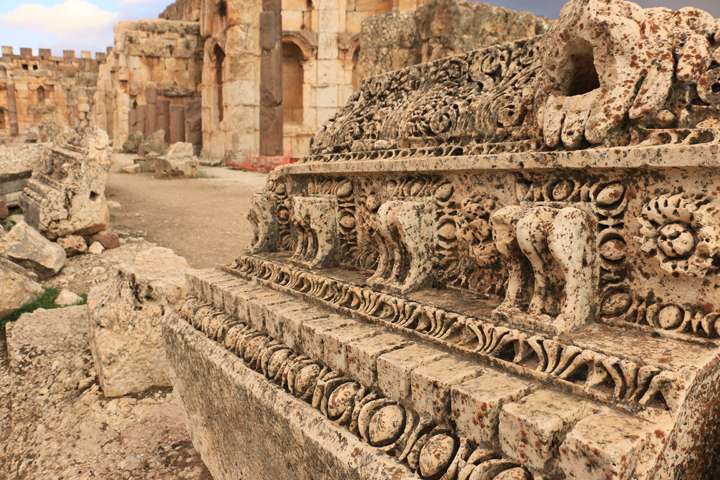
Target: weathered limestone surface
point(66, 194)
point(17, 287)
point(132, 144)
point(125, 321)
point(16, 166)
point(497, 265)
point(27, 247)
point(179, 159)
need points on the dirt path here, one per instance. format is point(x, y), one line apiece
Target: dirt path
point(201, 219)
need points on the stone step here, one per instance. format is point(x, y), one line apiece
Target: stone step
point(529, 423)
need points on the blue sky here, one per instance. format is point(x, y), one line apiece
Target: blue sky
point(87, 24)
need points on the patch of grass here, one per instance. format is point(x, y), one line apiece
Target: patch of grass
point(112, 218)
point(216, 164)
point(7, 224)
point(46, 301)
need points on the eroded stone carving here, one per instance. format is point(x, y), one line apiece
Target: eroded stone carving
point(316, 222)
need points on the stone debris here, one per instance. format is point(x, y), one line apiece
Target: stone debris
point(67, 298)
point(17, 287)
point(125, 321)
point(108, 240)
point(132, 144)
point(154, 143)
point(25, 246)
point(96, 248)
point(179, 159)
point(66, 195)
point(16, 166)
point(73, 245)
point(51, 132)
point(134, 168)
point(55, 422)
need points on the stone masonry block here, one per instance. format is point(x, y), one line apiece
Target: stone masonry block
point(431, 384)
point(259, 308)
point(336, 342)
point(221, 286)
point(476, 404)
point(290, 326)
point(236, 299)
point(362, 355)
point(604, 446)
point(195, 279)
point(532, 428)
point(275, 317)
point(312, 341)
point(394, 369)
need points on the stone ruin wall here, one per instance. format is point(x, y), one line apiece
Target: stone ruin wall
point(151, 82)
point(183, 11)
point(44, 87)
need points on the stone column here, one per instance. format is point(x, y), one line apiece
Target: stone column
point(12, 111)
point(141, 118)
point(177, 124)
point(163, 115)
point(132, 122)
point(271, 111)
point(193, 122)
point(151, 111)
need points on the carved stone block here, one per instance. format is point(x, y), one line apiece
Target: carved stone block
point(316, 222)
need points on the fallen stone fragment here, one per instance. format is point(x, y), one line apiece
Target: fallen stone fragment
point(154, 143)
point(73, 245)
point(67, 298)
point(25, 246)
point(96, 248)
point(134, 168)
point(133, 142)
point(108, 240)
point(17, 287)
point(125, 322)
point(179, 159)
point(4, 211)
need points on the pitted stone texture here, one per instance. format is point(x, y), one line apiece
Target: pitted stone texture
point(73, 245)
point(394, 369)
point(606, 445)
point(431, 384)
point(477, 403)
point(17, 287)
point(335, 343)
point(362, 355)
point(313, 343)
point(293, 330)
point(532, 428)
point(154, 143)
point(259, 305)
point(132, 144)
point(249, 427)
point(25, 246)
point(277, 317)
point(179, 159)
point(125, 321)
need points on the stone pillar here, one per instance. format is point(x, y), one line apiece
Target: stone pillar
point(12, 111)
point(163, 118)
point(177, 124)
point(141, 118)
point(271, 112)
point(151, 111)
point(193, 122)
point(132, 122)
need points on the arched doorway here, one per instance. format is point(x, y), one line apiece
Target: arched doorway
point(292, 84)
point(219, 60)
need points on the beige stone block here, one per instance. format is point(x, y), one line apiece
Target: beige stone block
point(239, 93)
point(292, 20)
point(312, 341)
point(327, 96)
point(362, 355)
point(288, 318)
point(327, 46)
point(259, 308)
point(335, 343)
point(532, 428)
point(430, 384)
point(83, 107)
point(477, 403)
point(327, 72)
point(373, 7)
point(325, 114)
point(607, 445)
point(293, 5)
point(353, 21)
point(328, 21)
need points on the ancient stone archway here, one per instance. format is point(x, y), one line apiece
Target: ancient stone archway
point(218, 58)
point(292, 84)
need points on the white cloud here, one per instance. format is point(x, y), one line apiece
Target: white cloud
point(73, 18)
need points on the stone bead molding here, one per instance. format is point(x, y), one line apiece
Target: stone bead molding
point(434, 451)
point(607, 74)
point(604, 377)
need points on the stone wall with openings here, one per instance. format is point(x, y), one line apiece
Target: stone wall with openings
point(41, 87)
point(151, 82)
